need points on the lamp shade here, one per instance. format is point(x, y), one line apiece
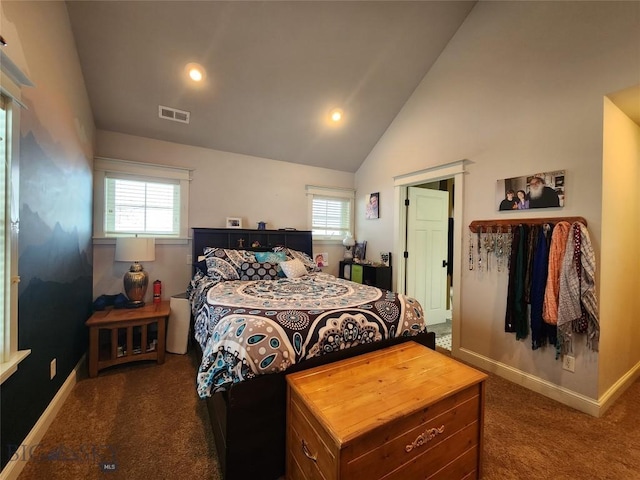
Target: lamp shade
point(135, 249)
point(348, 241)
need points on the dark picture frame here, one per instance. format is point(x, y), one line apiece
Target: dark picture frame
point(360, 250)
point(538, 190)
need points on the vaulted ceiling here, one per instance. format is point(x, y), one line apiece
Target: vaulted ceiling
point(274, 70)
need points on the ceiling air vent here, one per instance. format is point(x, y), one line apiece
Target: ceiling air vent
point(174, 114)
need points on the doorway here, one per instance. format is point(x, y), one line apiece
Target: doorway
point(425, 272)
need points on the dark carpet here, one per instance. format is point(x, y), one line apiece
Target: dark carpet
point(147, 420)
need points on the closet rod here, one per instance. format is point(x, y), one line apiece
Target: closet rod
point(504, 224)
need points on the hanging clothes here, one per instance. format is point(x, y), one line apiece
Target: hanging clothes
point(531, 246)
point(516, 312)
point(556, 254)
point(541, 332)
point(577, 298)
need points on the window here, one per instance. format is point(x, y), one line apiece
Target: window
point(4, 226)
point(142, 199)
point(11, 82)
point(330, 212)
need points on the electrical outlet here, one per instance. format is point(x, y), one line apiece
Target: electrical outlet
point(569, 363)
point(52, 369)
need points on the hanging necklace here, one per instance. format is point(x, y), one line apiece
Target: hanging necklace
point(470, 250)
point(479, 248)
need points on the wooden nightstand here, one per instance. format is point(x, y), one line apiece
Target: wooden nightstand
point(133, 343)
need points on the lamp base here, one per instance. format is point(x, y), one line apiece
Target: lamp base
point(136, 281)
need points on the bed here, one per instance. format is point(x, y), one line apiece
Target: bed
point(253, 325)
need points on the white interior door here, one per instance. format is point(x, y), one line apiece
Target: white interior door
point(427, 227)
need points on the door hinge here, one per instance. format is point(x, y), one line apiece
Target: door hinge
point(406, 202)
point(406, 254)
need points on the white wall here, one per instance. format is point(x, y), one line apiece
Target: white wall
point(620, 283)
point(518, 90)
point(224, 185)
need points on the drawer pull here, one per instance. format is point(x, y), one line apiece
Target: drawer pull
point(307, 453)
point(424, 437)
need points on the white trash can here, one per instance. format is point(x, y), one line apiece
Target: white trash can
point(178, 327)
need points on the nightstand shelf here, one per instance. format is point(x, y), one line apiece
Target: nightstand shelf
point(376, 276)
point(127, 335)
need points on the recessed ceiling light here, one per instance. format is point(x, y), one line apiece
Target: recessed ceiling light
point(195, 72)
point(336, 115)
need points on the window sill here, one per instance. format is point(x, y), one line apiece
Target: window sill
point(10, 367)
point(327, 241)
point(159, 241)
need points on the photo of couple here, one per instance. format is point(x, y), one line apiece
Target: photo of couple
point(541, 190)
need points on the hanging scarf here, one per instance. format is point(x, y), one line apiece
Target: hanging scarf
point(556, 254)
point(577, 297)
point(531, 246)
point(540, 331)
point(516, 314)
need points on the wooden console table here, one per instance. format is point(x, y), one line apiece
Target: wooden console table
point(135, 323)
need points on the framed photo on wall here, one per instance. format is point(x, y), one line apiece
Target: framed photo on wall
point(538, 190)
point(322, 259)
point(373, 206)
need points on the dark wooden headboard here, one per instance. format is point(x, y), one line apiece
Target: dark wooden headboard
point(231, 238)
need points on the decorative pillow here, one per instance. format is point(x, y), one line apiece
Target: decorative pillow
point(306, 260)
point(258, 271)
point(201, 266)
point(274, 258)
point(271, 257)
point(226, 264)
point(293, 268)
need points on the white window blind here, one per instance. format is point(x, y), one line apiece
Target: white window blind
point(141, 206)
point(139, 198)
point(331, 212)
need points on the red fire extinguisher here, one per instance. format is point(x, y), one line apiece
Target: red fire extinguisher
point(157, 291)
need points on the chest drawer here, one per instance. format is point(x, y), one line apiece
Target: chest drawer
point(312, 450)
point(390, 415)
point(429, 440)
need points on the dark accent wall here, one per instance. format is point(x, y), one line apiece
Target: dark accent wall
point(56, 285)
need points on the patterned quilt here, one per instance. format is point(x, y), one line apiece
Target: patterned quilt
point(256, 327)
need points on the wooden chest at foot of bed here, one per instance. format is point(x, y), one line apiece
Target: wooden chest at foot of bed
point(401, 413)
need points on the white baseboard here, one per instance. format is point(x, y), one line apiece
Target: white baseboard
point(618, 388)
point(14, 467)
point(567, 397)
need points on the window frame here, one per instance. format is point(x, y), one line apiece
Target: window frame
point(139, 171)
point(12, 80)
point(315, 191)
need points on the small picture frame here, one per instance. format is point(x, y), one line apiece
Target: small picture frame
point(322, 259)
point(360, 250)
point(234, 222)
point(385, 259)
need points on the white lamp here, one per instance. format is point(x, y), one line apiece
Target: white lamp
point(348, 243)
point(136, 280)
